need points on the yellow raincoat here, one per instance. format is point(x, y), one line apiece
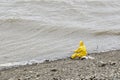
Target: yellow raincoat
point(80, 52)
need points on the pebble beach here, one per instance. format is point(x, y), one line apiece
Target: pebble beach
point(103, 66)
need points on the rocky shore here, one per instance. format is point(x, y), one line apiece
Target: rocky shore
point(103, 66)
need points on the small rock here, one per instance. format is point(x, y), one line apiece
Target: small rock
point(54, 70)
point(37, 75)
point(25, 69)
point(112, 63)
point(46, 61)
point(27, 77)
point(31, 71)
point(35, 64)
point(19, 79)
point(92, 78)
point(55, 79)
point(102, 64)
point(37, 78)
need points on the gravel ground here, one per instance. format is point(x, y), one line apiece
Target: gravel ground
point(104, 66)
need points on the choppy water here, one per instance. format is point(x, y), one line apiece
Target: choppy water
point(35, 30)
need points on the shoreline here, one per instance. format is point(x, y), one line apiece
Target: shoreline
point(104, 66)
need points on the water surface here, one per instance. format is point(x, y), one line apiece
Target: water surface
point(35, 30)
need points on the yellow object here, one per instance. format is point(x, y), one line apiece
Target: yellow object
point(80, 52)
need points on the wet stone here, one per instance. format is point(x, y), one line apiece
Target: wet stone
point(46, 61)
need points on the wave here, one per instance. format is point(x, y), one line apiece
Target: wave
point(108, 32)
point(31, 29)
